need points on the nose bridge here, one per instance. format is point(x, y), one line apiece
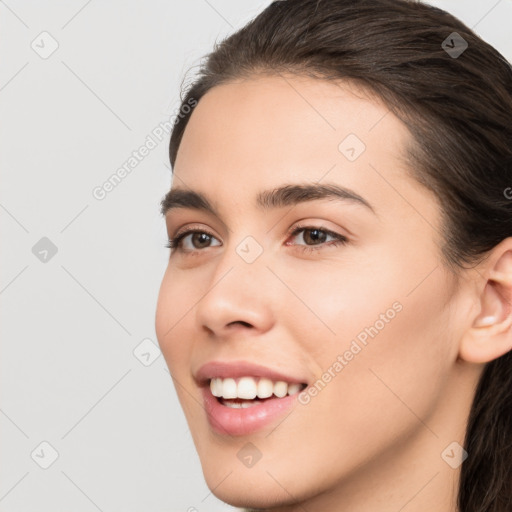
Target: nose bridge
point(243, 261)
point(236, 291)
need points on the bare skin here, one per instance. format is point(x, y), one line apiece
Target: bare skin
point(373, 437)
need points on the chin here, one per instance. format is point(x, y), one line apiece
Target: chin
point(265, 485)
point(252, 494)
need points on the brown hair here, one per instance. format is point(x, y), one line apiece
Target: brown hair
point(458, 108)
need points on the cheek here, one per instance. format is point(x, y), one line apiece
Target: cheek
point(391, 389)
point(170, 319)
point(336, 301)
point(173, 317)
point(391, 328)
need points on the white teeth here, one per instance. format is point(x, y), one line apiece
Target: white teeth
point(265, 388)
point(229, 388)
point(280, 388)
point(239, 405)
point(248, 388)
point(216, 387)
point(293, 389)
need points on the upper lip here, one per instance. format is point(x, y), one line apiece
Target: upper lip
point(235, 369)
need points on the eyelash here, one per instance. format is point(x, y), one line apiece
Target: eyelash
point(175, 243)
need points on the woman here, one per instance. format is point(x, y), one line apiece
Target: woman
point(336, 313)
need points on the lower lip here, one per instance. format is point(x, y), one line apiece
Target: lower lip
point(238, 422)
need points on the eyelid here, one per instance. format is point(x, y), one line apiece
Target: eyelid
point(310, 225)
point(193, 227)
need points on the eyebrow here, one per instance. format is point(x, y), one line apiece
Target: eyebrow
point(286, 195)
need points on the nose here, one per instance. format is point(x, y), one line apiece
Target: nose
point(237, 298)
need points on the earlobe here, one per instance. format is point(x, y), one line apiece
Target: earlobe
point(490, 335)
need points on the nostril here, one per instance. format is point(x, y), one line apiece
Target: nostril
point(245, 324)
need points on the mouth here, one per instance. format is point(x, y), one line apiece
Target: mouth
point(241, 398)
point(245, 392)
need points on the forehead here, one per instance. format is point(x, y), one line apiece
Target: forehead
point(259, 133)
point(269, 122)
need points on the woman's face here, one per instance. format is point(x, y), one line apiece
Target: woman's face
point(368, 322)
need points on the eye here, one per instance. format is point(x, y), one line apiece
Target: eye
point(315, 238)
point(202, 238)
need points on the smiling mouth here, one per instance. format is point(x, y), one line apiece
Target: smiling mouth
point(245, 392)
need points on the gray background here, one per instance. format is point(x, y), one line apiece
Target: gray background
point(80, 367)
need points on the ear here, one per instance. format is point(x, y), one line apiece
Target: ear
point(490, 335)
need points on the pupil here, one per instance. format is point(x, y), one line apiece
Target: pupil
point(204, 236)
point(315, 237)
